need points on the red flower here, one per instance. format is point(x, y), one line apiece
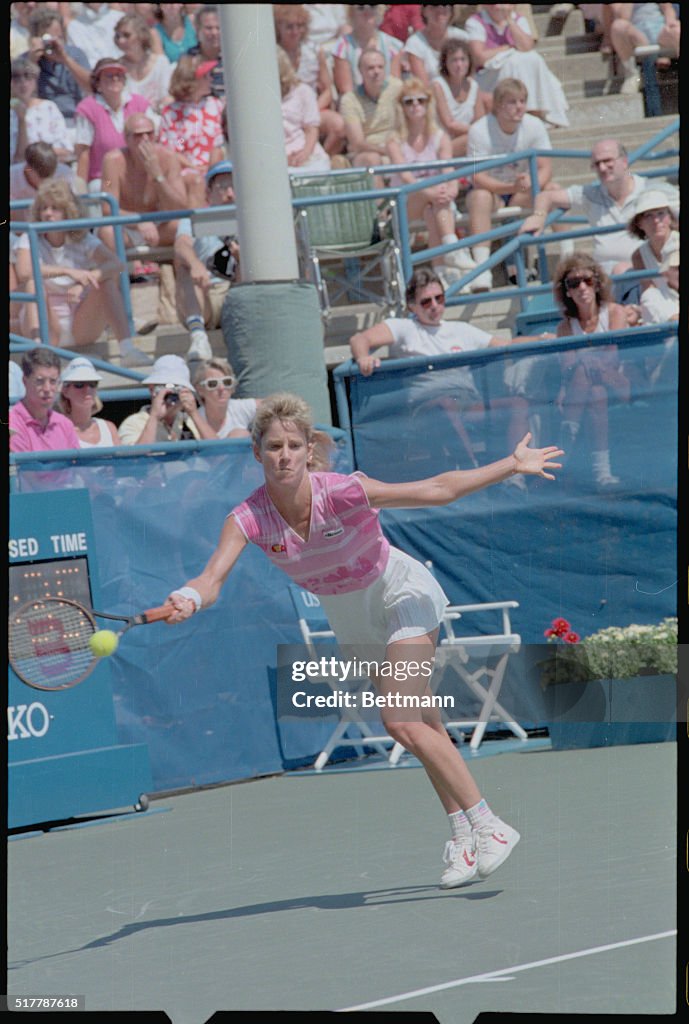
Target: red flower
point(560, 627)
point(550, 633)
point(572, 638)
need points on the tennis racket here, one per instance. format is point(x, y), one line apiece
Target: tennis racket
point(49, 640)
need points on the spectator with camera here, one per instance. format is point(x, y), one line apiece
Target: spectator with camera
point(65, 73)
point(205, 267)
point(173, 413)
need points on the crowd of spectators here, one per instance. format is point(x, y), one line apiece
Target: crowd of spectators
point(129, 99)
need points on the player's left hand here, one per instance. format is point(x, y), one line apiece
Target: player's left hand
point(535, 461)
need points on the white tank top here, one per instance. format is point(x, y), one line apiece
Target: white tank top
point(601, 326)
point(105, 439)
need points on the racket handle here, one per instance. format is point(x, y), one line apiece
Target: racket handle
point(163, 611)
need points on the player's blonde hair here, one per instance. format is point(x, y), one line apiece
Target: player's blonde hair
point(287, 408)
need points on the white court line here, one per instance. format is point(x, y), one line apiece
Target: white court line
point(496, 975)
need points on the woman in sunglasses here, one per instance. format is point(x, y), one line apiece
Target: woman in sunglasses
point(322, 529)
point(583, 292)
point(215, 383)
point(79, 402)
point(419, 139)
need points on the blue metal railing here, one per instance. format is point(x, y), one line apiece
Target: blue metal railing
point(514, 246)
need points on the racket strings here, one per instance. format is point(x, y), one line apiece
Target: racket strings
point(49, 643)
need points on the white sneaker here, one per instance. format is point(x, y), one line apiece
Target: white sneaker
point(493, 844)
point(630, 85)
point(200, 347)
point(135, 357)
point(461, 861)
point(482, 283)
point(461, 259)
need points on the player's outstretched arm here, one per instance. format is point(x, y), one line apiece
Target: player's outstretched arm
point(209, 583)
point(448, 487)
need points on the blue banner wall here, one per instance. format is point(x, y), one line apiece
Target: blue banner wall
point(200, 694)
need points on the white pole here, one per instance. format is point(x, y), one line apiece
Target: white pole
point(257, 143)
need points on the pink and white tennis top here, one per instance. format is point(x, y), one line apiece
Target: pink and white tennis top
point(346, 549)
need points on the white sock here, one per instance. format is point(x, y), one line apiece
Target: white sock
point(481, 252)
point(629, 67)
point(194, 322)
point(479, 814)
point(601, 464)
point(449, 239)
point(571, 427)
point(459, 824)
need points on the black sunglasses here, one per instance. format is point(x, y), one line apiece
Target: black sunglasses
point(430, 299)
point(573, 282)
point(80, 384)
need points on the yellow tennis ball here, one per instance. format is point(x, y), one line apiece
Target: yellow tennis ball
point(103, 643)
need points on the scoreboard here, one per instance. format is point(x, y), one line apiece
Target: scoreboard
point(64, 758)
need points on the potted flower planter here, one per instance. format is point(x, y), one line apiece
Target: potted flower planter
point(609, 712)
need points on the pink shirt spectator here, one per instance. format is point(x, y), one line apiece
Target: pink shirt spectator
point(106, 135)
point(32, 436)
point(346, 549)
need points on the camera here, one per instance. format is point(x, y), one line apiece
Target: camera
point(172, 396)
point(222, 262)
point(47, 44)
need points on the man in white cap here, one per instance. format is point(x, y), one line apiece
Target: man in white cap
point(205, 267)
point(173, 414)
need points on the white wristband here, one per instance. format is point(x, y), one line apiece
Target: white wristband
point(191, 594)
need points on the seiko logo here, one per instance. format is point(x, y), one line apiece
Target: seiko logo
point(24, 721)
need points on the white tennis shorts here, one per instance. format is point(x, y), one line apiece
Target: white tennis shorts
point(405, 601)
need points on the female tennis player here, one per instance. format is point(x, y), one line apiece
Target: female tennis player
point(322, 529)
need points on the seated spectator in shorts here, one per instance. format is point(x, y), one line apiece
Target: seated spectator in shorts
point(33, 119)
point(611, 200)
point(370, 111)
point(80, 276)
point(301, 121)
point(311, 66)
point(191, 124)
point(144, 176)
point(419, 139)
point(207, 47)
point(205, 267)
point(35, 426)
point(426, 333)
point(633, 25)
point(502, 46)
point(79, 402)
point(173, 414)
point(93, 31)
point(508, 129)
point(226, 416)
point(101, 118)
point(65, 76)
point(39, 164)
point(590, 375)
point(365, 34)
point(422, 49)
